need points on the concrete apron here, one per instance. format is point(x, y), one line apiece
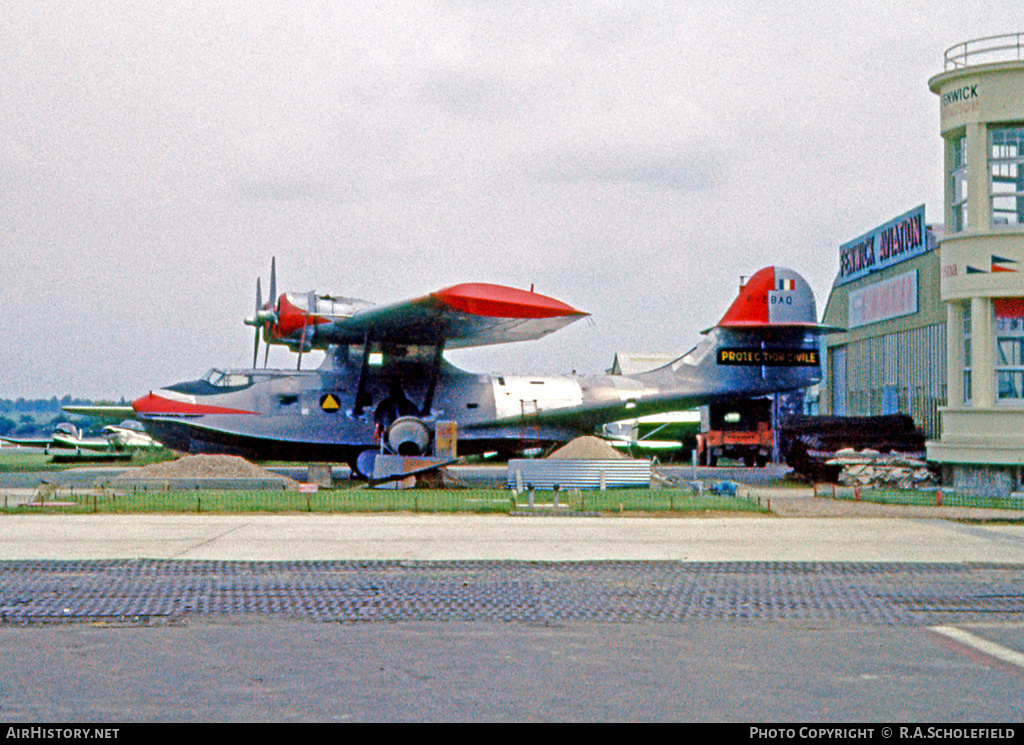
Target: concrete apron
point(501, 537)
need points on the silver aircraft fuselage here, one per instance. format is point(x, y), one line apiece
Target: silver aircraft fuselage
point(315, 415)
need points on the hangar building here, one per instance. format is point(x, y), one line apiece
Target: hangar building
point(892, 357)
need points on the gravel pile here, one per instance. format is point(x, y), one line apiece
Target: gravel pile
point(203, 467)
point(588, 448)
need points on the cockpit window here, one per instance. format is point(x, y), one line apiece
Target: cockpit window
point(219, 379)
point(214, 382)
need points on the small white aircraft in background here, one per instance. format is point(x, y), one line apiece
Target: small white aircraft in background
point(128, 435)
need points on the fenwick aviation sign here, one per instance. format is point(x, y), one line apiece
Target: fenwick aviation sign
point(898, 240)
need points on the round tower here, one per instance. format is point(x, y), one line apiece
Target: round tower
point(981, 100)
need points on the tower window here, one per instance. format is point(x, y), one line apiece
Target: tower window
point(958, 183)
point(1006, 174)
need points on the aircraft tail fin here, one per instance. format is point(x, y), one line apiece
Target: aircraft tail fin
point(775, 297)
point(767, 341)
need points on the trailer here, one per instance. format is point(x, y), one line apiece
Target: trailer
point(809, 443)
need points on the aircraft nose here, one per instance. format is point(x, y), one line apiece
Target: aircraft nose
point(152, 404)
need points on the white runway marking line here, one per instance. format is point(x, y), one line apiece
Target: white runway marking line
point(982, 645)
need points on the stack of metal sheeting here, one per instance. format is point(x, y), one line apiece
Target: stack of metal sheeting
point(578, 474)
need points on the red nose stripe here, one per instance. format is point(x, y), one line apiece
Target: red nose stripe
point(153, 404)
point(497, 301)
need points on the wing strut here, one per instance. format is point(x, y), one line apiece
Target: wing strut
point(357, 408)
point(435, 373)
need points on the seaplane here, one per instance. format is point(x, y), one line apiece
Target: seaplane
point(385, 387)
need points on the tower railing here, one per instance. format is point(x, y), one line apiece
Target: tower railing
point(1002, 48)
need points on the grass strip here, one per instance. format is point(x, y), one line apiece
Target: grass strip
point(362, 500)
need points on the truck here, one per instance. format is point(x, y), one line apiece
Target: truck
point(741, 430)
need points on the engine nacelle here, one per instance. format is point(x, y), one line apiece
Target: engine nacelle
point(408, 435)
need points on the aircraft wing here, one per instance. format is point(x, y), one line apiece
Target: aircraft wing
point(464, 315)
point(76, 443)
point(57, 440)
point(468, 315)
point(101, 412)
point(29, 442)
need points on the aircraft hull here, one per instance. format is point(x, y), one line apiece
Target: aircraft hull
point(314, 416)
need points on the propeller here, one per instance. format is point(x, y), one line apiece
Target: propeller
point(280, 322)
point(263, 318)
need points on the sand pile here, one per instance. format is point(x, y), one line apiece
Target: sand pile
point(588, 448)
point(203, 467)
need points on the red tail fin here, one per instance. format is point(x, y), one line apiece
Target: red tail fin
point(774, 296)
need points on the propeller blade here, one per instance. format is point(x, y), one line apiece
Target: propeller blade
point(259, 305)
point(265, 318)
point(273, 282)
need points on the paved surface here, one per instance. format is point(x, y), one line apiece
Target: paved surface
point(824, 612)
point(268, 669)
point(532, 592)
point(312, 537)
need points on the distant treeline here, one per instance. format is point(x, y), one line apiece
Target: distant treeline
point(47, 405)
point(37, 417)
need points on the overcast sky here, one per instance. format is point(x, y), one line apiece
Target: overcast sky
point(632, 159)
